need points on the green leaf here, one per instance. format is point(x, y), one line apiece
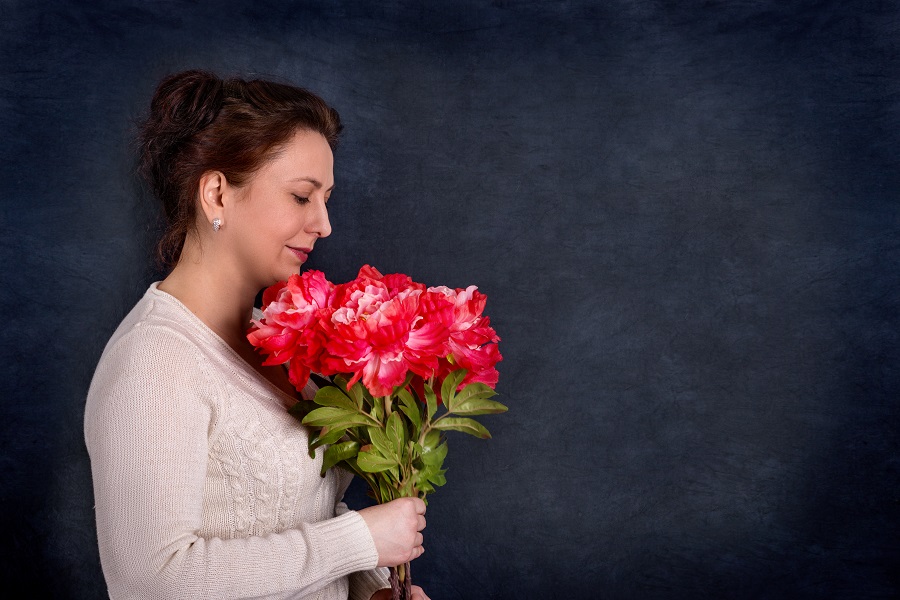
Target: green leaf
point(372, 462)
point(479, 406)
point(424, 487)
point(332, 395)
point(470, 426)
point(411, 409)
point(430, 400)
point(396, 432)
point(434, 457)
point(340, 381)
point(339, 417)
point(338, 452)
point(431, 441)
point(448, 389)
point(438, 478)
point(326, 435)
point(432, 475)
point(474, 390)
point(382, 442)
point(301, 409)
point(377, 410)
point(358, 392)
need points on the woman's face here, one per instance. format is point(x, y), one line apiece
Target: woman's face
point(280, 213)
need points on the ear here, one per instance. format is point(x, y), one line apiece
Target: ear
point(211, 191)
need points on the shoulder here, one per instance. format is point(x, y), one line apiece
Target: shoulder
point(151, 341)
point(153, 362)
point(159, 335)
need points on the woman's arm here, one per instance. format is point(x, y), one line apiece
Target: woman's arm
point(149, 416)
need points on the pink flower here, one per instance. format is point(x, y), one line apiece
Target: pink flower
point(370, 327)
point(286, 332)
point(472, 341)
point(376, 328)
point(277, 340)
point(429, 337)
point(295, 303)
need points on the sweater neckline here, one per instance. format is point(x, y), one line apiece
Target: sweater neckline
point(216, 339)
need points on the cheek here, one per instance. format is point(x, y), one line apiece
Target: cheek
point(270, 220)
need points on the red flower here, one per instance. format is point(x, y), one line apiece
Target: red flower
point(377, 328)
point(385, 326)
point(286, 331)
point(430, 335)
point(371, 331)
point(277, 340)
point(472, 342)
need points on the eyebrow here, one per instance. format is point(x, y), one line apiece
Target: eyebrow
point(316, 183)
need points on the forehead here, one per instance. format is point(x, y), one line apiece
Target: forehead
point(306, 155)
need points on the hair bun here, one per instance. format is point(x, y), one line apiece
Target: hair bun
point(186, 102)
point(183, 104)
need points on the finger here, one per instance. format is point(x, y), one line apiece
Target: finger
point(419, 506)
point(420, 524)
point(420, 539)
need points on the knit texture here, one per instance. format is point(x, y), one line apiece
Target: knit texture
point(203, 485)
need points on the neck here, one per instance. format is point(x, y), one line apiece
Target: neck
point(214, 293)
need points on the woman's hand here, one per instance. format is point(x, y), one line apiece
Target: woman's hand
point(417, 594)
point(396, 527)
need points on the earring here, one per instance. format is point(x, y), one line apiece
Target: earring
point(217, 224)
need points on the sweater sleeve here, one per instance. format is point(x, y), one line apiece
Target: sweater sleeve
point(148, 420)
point(365, 583)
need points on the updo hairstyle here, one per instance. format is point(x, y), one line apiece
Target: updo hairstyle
point(199, 123)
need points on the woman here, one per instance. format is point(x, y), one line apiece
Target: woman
point(202, 482)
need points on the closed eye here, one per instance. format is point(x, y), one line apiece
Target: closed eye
point(300, 199)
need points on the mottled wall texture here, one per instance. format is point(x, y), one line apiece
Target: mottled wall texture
point(685, 217)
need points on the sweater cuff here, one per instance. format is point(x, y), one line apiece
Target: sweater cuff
point(347, 543)
point(366, 583)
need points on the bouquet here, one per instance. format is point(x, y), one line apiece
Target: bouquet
point(401, 364)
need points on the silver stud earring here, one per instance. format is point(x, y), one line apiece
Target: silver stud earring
point(217, 224)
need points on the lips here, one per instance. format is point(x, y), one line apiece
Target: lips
point(301, 253)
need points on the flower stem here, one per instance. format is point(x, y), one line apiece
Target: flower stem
point(401, 582)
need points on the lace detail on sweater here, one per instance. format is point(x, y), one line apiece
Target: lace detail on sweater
point(228, 459)
point(291, 486)
point(261, 455)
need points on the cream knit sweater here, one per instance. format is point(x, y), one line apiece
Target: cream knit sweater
point(203, 485)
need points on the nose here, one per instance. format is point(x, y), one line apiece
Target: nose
point(320, 225)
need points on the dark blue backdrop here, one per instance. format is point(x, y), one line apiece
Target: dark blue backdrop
point(684, 215)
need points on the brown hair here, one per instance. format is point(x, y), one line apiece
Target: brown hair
point(199, 123)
